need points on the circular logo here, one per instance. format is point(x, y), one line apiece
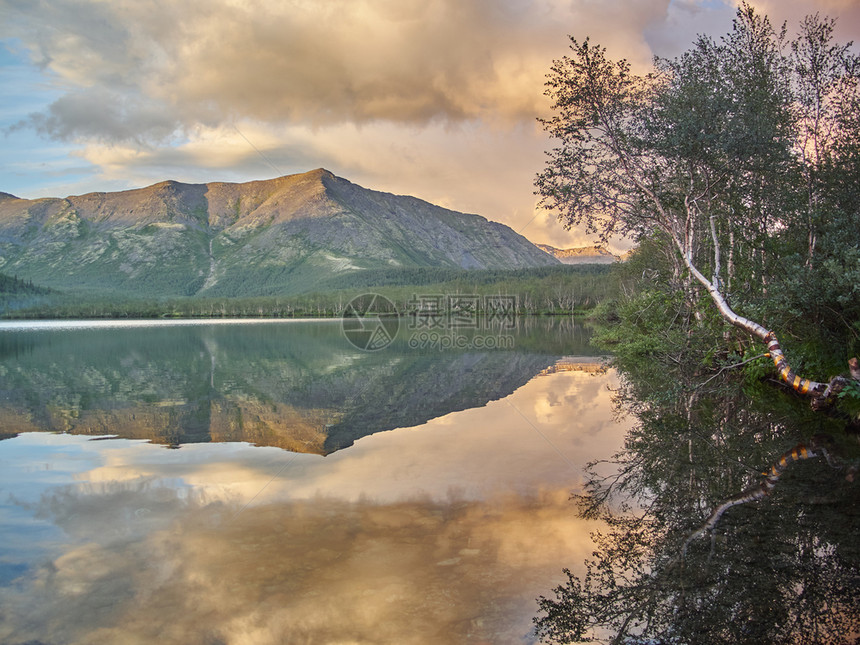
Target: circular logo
point(370, 322)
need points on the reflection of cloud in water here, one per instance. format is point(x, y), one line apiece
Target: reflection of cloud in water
point(507, 445)
point(583, 393)
point(306, 571)
point(443, 533)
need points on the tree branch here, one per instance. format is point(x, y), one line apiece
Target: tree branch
point(819, 391)
point(716, 277)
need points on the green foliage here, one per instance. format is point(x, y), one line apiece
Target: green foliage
point(735, 166)
point(642, 328)
point(735, 154)
point(850, 399)
point(735, 163)
point(552, 290)
point(11, 285)
point(852, 390)
point(18, 294)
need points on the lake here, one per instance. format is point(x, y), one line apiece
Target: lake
point(278, 482)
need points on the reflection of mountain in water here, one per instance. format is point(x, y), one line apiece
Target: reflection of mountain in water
point(299, 386)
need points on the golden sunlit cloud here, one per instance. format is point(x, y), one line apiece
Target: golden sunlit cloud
point(433, 99)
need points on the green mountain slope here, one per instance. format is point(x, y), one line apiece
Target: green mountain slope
point(281, 236)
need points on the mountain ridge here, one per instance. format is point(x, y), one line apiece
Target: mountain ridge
point(276, 236)
point(594, 254)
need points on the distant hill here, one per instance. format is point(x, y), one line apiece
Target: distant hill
point(284, 236)
point(581, 255)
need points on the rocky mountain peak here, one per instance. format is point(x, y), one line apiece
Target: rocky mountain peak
point(276, 236)
point(581, 255)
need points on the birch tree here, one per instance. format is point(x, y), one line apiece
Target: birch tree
point(711, 149)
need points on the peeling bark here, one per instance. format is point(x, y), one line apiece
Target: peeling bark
point(821, 393)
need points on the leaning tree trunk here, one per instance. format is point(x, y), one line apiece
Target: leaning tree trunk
point(820, 392)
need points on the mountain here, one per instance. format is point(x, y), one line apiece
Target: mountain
point(581, 255)
point(280, 236)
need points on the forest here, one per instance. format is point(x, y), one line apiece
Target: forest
point(554, 290)
point(731, 514)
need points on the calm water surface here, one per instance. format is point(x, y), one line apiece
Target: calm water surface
point(271, 483)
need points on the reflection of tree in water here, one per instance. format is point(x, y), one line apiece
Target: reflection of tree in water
point(705, 190)
point(783, 569)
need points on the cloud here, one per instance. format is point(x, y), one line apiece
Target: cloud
point(319, 63)
point(434, 98)
point(101, 114)
point(846, 13)
point(142, 69)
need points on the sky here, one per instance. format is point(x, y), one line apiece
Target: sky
point(433, 98)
